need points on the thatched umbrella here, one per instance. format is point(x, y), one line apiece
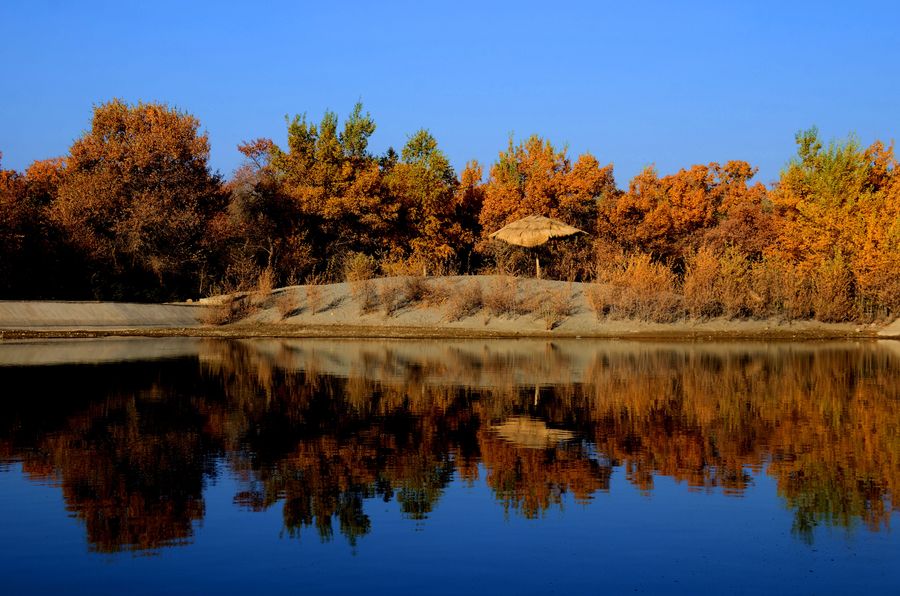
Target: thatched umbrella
point(534, 230)
point(531, 433)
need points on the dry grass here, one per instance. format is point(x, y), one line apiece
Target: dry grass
point(359, 269)
point(234, 308)
point(700, 286)
point(644, 290)
point(313, 292)
point(392, 295)
point(833, 297)
point(554, 306)
point(465, 301)
point(502, 296)
point(287, 303)
point(600, 297)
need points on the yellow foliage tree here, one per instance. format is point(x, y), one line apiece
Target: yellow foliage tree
point(533, 178)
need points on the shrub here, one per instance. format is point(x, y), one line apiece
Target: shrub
point(314, 298)
point(733, 284)
point(555, 305)
point(435, 292)
point(410, 266)
point(465, 301)
point(234, 308)
point(287, 303)
point(363, 291)
point(833, 297)
point(645, 290)
point(398, 293)
point(794, 290)
point(779, 288)
point(265, 283)
point(765, 289)
point(415, 289)
point(601, 298)
point(262, 291)
point(359, 267)
point(570, 260)
point(501, 258)
point(392, 295)
point(502, 296)
point(608, 258)
point(700, 291)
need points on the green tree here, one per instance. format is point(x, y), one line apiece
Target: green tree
point(336, 183)
point(424, 184)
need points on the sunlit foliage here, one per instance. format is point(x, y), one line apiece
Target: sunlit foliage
point(534, 178)
point(133, 212)
point(839, 209)
point(136, 199)
point(669, 216)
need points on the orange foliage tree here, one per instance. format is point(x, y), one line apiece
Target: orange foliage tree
point(668, 216)
point(265, 227)
point(29, 242)
point(433, 221)
point(136, 199)
point(839, 207)
point(14, 217)
point(336, 183)
point(533, 178)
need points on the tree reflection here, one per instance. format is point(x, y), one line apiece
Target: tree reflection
point(126, 448)
point(320, 428)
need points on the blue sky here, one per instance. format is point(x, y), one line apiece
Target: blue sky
point(664, 83)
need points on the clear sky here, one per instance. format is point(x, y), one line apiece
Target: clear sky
point(635, 83)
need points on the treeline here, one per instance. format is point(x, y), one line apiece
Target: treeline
point(134, 212)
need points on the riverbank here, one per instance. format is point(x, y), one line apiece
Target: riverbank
point(440, 307)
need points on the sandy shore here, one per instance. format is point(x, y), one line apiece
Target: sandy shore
point(335, 311)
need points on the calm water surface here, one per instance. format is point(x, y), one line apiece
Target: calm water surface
point(513, 467)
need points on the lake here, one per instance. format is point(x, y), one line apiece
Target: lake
point(490, 466)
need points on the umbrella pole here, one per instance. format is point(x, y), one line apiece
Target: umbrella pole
point(537, 266)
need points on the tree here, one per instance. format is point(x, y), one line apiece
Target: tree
point(15, 217)
point(424, 184)
point(266, 227)
point(468, 202)
point(34, 261)
point(669, 216)
point(136, 199)
point(841, 203)
point(533, 178)
point(336, 183)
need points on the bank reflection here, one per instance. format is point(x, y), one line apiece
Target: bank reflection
point(318, 428)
